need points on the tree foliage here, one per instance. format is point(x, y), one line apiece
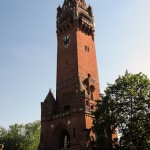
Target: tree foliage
point(21, 137)
point(125, 107)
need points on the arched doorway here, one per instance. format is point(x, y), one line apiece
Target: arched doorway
point(61, 138)
point(64, 140)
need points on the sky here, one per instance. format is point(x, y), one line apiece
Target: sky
point(28, 49)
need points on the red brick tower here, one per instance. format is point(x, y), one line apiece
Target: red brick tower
point(66, 121)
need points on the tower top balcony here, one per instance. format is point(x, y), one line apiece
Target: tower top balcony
point(75, 13)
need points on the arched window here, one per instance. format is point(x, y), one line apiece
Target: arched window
point(87, 103)
point(64, 140)
point(67, 108)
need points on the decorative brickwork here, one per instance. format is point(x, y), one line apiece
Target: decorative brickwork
point(66, 121)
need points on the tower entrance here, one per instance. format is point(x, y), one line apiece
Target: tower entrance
point(64, 141)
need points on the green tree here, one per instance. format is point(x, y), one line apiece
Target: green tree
point(104, 125)
point(21, 137)
point(32, 133)
point(12, 138)
point(125, 107)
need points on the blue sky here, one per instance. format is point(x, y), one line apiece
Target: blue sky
point(28, 49)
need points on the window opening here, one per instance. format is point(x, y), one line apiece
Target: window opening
point(87, 103)
point(87, 49)
point(74, 132)
point(67, 108)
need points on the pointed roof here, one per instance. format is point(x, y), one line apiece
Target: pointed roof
point(49, 98)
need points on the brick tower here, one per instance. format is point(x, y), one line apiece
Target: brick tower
point(66, 121)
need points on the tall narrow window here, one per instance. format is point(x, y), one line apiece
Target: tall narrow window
point(89, 75)
point(74, 132)
point(63, 97)
point(67, 108)
point(87, 103)
point(41, 137)
point(87, 49)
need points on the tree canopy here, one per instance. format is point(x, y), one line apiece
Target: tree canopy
point(124, 107)
point(21, 137)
